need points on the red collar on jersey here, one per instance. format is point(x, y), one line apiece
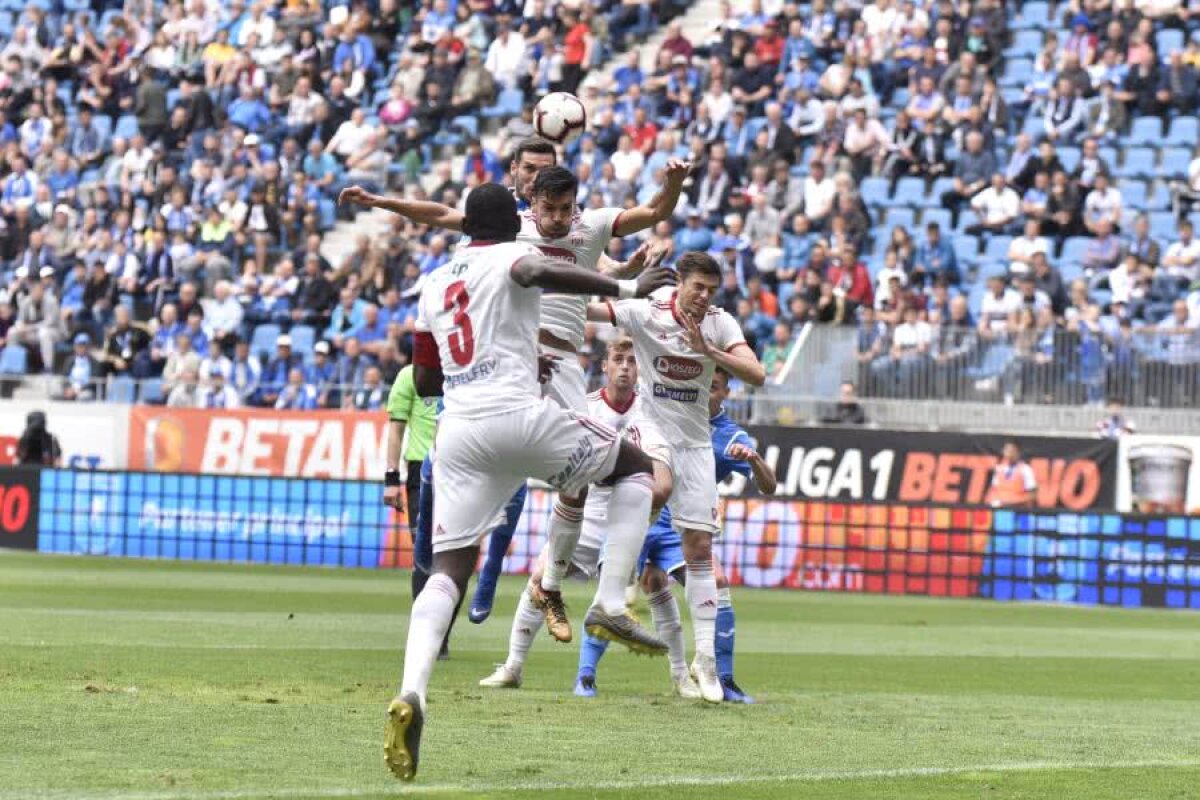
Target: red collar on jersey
point(675, 308)
point(604, 396)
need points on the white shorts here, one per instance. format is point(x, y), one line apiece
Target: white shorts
point(645, 434)
point(694, 497)
point(482, 462)
point(569, 385)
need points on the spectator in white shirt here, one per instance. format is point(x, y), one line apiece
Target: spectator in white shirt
point(627, 161)
point(1182, 259)
point(997, 206)
point(1103, 203)
point(506, 54)
point(219, 393)
point(1022, 248)
point(819, 194)
point(215, 362)
point(999, 305)
point(224, 316)
point(257, 23)
point(351, 135)
point(866, 141)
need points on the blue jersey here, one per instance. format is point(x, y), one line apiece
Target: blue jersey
point(725, 434)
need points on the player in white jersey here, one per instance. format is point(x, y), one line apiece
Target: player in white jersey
point(480, 355)
point(555, 225)
point(618, 406)
point(679, 339)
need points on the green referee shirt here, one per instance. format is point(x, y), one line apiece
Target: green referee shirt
point(419, 413)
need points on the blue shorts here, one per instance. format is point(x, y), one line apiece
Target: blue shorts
point(663, 549)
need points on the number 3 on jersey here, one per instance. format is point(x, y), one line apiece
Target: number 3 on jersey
point(461, 341)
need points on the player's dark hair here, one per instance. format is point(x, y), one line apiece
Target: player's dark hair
point(555, 182)
point(534, 145)
point(694, 262)
point(491, 214)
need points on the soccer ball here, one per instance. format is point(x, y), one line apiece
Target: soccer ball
point(559, 117)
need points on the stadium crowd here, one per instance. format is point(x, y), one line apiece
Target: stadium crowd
point(998, 196)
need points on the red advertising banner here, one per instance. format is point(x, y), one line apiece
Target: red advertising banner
point(322, 444)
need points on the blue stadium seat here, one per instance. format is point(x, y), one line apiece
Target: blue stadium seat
point(6, 24)
point(1159, 198)
point(997, 248)
point(1162, 225)
point(1018, 72)
point(1026, 43)
point(874, 191)
point(1145, 131)
point(1036, 14)
point(127, 127)
point(1073, 249)
point(14, 360)
point(264, 338)
point(898, 217)
point(940, 187)
point(965, 247)
point(1139, 163)
point(1175, 161)
point(910, 193)
point(152, 391)
point(939, 215)
point(468, 124)
point(754, 125)
point(1133, 193)
point(1033, 127)
point(965, 220)
point(1168, 41)
point(303, 339)
point(172, 98)
point(508, 104)
point(1109, 155)
point(103, 123)
point(122, 389)
point(1069, 155)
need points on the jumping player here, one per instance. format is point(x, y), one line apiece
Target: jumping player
point(662, 556)
point(480, 354)
point(558, 229)
point(616, 405)
point(680, 339)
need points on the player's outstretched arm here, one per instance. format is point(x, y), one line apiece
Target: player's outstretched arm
point(740, 361)
point(647, 256)
point(764, 476)
point(422, 212)
point(554, 275)
point(660, 207)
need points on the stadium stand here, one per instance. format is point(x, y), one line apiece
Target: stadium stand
point(996, 200)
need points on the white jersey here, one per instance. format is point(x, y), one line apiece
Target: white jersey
point(565, 315)
point(674, 379)
point(627, 422)
point(485, 325)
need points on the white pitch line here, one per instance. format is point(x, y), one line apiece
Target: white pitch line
point(648, 782)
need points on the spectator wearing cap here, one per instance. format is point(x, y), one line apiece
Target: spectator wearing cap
point(275, 374)
point(321, 373)
point(81, 371)
point(38, 322)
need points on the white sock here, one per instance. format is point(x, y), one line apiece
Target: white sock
point(430, 618)
point(665, 613)
point(724, 600)
point(628, 508)
point(526, 624)
point(631, 592)
point(560, 545)
point(701, 592)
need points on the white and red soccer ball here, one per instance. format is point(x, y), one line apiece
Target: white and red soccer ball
point(559, 117)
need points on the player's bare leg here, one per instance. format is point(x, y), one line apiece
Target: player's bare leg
point(701, 593)
point(628, 518)
point(428, 622)
point(561, 539)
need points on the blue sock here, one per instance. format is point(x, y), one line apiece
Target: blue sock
point(591, 650)
point(725, 630)
point(485, 586)
point(423, 531)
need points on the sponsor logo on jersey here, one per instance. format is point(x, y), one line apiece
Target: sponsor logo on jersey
point(561, 253)
point(481, 370)
point(671, 393)
point(678, 368)
point(582, 453)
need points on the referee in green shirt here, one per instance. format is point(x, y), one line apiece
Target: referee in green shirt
point(417, 415)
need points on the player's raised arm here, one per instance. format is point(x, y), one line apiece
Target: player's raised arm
point(764, 476)
point(660, 207)
point(645, 257)
point(554, 275)
point(422, 212)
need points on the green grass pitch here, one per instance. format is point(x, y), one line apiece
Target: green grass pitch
point(149, 681)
